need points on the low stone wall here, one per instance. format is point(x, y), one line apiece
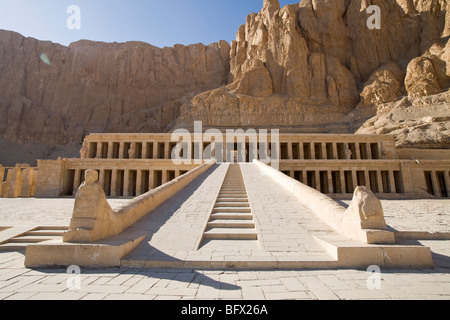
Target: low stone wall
point(18, 181)
point(93, 219)
point(362, 221)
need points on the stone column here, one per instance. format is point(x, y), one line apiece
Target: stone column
point(138, 182)
point(151, 180)
point(338, 184)
point(392, 181)
point(323, 145)
point(164, 177)
point(434, 181)
point(25, 187)
point(312, 150)
point(358, 151)
point(114, 183)
point(110, 150)
point(367, 178)
point(155, 149)
point(447, 183)
point(32, 182)
point(98, 153)
point(7, 185)
point(2, 174)
point(305, 177)
point(354, 179)
point(380, 182)
point(289, 146)
point(291, 174)
point(126, 183)
point(101, 179)
point(144, 150)
point(317, 174)
point(330, 182)
point(224, 151)
point(76, 181)
point(335, 151)
point(121, 149)
point(343, 184)
point(166, 150)
point(16, 183)
point(301, 151)
point(369, 151)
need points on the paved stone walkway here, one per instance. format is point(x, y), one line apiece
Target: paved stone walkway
point(17, 282)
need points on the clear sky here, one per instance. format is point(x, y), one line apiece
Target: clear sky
point(158, 22)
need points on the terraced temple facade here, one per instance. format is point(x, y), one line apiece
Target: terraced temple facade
point(132, 164)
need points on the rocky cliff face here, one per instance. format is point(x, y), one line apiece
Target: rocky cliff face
point(314, 66)
point(55, 94)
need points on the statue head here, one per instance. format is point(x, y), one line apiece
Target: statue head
point(91, 176)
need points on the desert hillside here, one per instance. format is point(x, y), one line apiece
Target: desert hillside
point(314, 66)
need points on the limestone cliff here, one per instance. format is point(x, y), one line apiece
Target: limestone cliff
point(55, 94)
point(316, 66)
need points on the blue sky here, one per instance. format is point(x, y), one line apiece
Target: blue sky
point(158, 22)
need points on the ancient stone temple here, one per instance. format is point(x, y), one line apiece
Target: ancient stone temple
point(132, 164)
point(215, 188)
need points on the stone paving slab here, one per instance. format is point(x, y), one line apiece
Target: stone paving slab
point(19, 283)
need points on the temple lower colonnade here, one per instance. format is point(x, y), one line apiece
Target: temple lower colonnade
point(335, 164)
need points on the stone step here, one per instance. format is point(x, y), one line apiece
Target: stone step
point(15, 246)
point(225, 223)
point(231, 216)
point(52, 228)
point(32, 239)
point(231, 199)
point(236, 209)
point(232, 204)
point(46, 232)
point(231, 233)
point(233, 194)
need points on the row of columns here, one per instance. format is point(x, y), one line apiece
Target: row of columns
point(131, 152)
point(345, 181)
point(360, 150)
point(127, 183)
point(141, 150)
point(438, 188)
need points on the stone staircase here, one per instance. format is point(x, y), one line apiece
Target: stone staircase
point(21, 237)
point(231, 217)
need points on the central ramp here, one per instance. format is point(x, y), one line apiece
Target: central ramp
point(231, 217)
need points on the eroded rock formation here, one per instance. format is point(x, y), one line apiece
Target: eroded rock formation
point(307, 66)
point(99, 87)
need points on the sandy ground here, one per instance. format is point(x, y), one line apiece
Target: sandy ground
point(401, 215)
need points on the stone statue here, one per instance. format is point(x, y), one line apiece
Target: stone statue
point(132, 152)
point(365, 209)
point(92, 215)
